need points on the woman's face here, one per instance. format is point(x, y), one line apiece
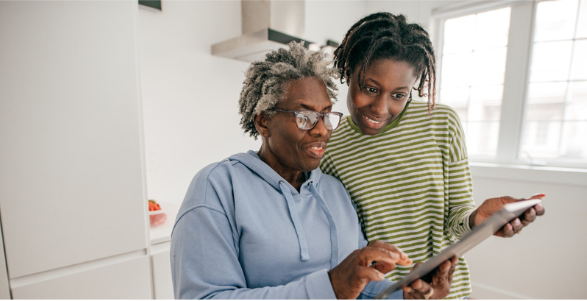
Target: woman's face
point(387, 90)
point(286, 148)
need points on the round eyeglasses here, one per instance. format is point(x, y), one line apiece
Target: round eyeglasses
point(307, 120)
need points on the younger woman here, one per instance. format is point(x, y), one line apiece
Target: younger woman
point(404, 162)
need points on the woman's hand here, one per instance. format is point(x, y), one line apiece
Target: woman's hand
point(493, 205)
point(436, 288)
point(370, 263)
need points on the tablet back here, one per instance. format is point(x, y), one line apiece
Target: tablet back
point(466, 243)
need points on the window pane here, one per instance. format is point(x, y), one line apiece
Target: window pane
point(582, 27)
point(555, 20)
point(546, 101)
point(550, 61)
point(491, 28)
point(458, 99)
point(454, 31)
point(456, 70)
point(472, 75)
point(482, 138)
point(540, 139)
point(545, 111)
point(547, 93)
point(492, 64)
point(556, 108)
point(485, 103)
point(577, 104)
point(580, 60)
point(574, 144)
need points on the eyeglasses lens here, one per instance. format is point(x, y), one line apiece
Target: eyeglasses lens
point(303, 121)
point(331, 120)
point(306, 120)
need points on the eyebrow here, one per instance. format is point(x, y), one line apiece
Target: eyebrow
point(312, 109)
point(377, 83)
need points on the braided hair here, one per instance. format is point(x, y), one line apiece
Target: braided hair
point(266, 82)
point(387, 36)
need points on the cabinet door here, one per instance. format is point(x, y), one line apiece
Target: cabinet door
point(126, 279)
point(71, 179)
point(162, 271)
point(4, 288)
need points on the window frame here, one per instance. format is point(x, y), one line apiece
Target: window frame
point(517, 72)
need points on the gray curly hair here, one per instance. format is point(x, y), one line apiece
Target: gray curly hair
point(266, 82)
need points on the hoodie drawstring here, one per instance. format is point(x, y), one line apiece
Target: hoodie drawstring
point(293, 213)
point(333, 231)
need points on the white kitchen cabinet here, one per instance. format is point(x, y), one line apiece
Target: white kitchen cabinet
point(4, 286)
point(72, 181)
point(162, 271)
point(121, 279)
point(160, 237)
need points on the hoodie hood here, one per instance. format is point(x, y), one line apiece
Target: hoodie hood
point(252, 161)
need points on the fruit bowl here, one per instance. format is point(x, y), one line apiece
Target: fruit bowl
point(157, 216)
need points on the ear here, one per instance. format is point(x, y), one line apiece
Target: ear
point(261, 124)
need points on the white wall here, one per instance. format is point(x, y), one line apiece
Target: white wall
point(190, 98)
point(546, 261)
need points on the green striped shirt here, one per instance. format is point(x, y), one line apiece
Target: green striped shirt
point(411, 183)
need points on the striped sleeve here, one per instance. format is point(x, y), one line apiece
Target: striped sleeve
point(327, 166)
point(460, 186)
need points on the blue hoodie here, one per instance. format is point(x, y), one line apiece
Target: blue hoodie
point(244, 232)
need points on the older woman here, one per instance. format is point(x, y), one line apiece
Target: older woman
point(269, 224)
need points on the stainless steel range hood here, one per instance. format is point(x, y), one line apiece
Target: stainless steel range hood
point(266, 25)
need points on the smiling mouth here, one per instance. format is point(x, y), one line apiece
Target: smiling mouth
point(372, 123)
point(316, 151)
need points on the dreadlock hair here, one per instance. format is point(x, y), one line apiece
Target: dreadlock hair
point(266, 82)
point(387, 36)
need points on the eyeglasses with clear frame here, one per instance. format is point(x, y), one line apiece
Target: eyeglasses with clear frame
point(307, 120)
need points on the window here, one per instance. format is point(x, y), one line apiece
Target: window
point(555, 121)
point(471, 43)
point(516, 72)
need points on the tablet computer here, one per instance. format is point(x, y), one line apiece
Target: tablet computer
point(466, 243)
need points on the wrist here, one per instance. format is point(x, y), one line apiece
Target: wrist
point(472, 219)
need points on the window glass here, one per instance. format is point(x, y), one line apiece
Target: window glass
point(458, 99)
point(486, 102)
point(551, 61)
point(456, 70)
point(555, 20)
point(541, 139)
point(490, 66)
point(491, 29)
point(472, 75)
point(577, 104)
point(483, 138)
point(580, 60)
point(454, 31)
point(582, 27)
point(573, 142)
point(555, 121)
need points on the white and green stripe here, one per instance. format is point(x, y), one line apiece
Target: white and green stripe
point(411, 183)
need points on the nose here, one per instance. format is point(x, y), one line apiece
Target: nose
point(379, 106)
point(320, 128)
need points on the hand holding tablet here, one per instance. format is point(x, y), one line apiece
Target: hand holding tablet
point(486, 229)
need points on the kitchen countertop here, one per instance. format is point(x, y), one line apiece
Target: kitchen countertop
point(162, 233)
